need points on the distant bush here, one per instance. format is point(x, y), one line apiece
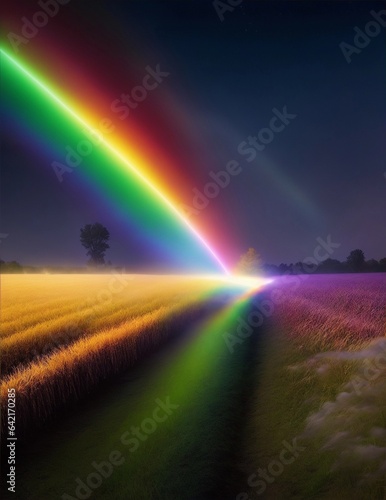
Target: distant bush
point(10, 267)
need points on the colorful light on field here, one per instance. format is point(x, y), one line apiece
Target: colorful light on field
point(132, 168)
point(250, 283)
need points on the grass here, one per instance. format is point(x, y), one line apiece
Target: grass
point(59, 360)
point(313, 387)
point(187, 455)
point(86, 305)
point(307, 379)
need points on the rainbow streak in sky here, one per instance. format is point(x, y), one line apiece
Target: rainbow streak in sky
point(132, 168)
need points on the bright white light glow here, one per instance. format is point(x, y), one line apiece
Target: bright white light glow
point(248, 282)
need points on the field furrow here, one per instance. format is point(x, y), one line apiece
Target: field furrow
point(75, 353)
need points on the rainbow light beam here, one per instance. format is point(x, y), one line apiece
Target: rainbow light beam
point(120, 157)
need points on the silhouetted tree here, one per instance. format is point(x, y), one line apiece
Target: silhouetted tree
point(382, 264)
point(372, 266)
point(356, 260)
point(94, 238)
point(249, 263)
point(331, 266)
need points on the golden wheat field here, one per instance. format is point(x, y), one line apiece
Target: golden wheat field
point(62, 335)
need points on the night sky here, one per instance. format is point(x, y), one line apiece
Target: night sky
point(323, 174)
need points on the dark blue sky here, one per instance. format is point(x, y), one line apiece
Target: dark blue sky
point(323, 174)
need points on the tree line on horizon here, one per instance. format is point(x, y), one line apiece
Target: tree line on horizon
point(94, 238)
point(251, 263)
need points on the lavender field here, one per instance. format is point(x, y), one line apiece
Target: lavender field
point(322, 383)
